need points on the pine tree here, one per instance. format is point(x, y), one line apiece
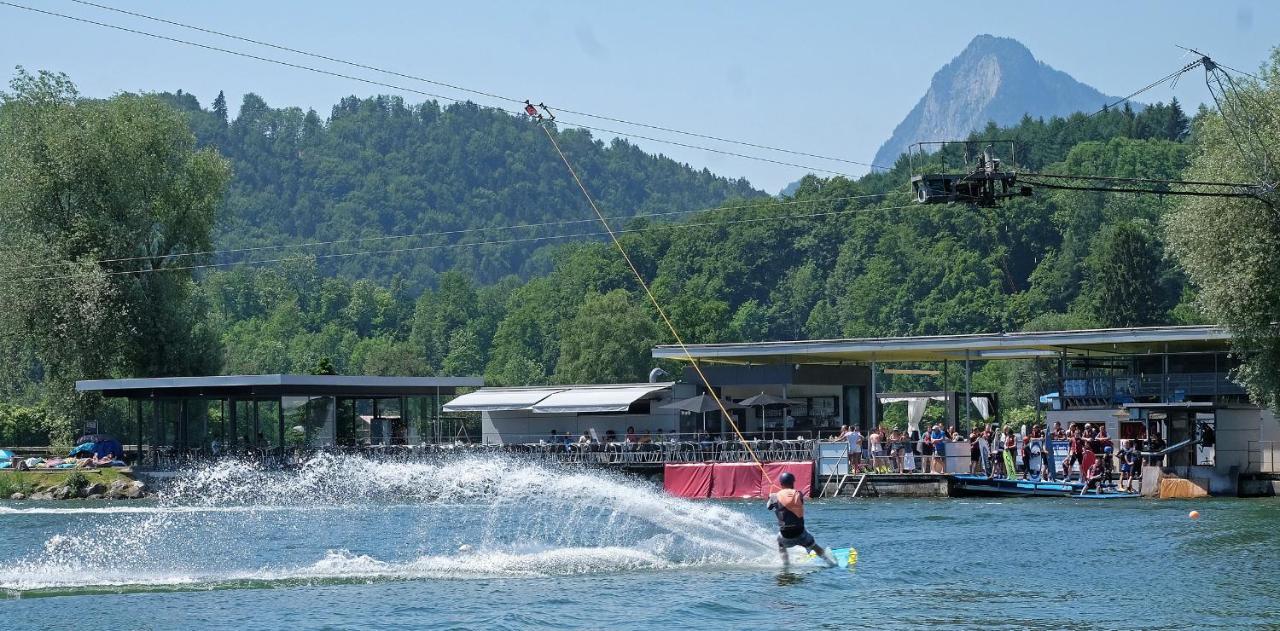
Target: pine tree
point(1176, 123)
point(220, 108)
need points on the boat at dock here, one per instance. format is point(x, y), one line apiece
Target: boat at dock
point(980, 485)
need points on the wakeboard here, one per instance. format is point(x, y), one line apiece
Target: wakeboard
point(1009, 471)
point(845, 557)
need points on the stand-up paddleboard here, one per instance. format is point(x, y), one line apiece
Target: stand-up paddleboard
point(845, 557)
point(984, 455)
point(1010, 472)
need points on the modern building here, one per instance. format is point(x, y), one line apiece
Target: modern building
point(532, 414)
point(274, 412)
point(1166, 380)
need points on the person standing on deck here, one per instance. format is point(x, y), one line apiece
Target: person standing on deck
point(788, 506)
point(855, 449)
point(874, 440)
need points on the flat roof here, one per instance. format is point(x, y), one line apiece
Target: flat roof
point(982, 346)
point(276, 385)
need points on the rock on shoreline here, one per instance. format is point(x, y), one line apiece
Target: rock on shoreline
point(119, 489)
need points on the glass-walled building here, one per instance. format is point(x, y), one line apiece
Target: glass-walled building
point(274, 413)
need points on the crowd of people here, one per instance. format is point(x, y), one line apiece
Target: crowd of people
point(1003, 452)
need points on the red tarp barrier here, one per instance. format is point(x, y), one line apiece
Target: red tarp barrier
point(802, 470)
point(732, 479)
point(687, 480)
point(735, 480)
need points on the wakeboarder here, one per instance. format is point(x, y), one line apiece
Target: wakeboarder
point(788, 505)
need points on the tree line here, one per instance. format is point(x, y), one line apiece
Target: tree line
point(838, 257)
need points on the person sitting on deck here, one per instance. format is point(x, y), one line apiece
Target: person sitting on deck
point(1095, 477)
point(788, 506)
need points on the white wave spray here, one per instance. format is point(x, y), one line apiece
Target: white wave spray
point(344, 518)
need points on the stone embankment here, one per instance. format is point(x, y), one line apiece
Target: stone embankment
point(71, 487)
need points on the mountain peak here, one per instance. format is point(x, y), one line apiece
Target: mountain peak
point(992, 79)
point(995, 45)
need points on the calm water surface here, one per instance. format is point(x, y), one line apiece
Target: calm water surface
point(494, 544)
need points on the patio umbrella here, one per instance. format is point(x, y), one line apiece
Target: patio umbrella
point(701, 404)
point(767, 400)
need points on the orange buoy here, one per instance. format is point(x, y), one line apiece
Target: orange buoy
point(1195, 514)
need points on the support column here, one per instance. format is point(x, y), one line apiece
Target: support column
point(875, 398)
point(235, 427)
point(257, 425)
point(948, 401)
point(968, 396)
point(404, 418)
point(155, 426)
point(137, 403)
point(1039, 389)
point(1164, 375)
point(376, 421)
point(280, 421)
point(1062, 379)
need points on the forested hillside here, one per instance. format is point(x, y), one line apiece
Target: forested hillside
point(378, 167)
point(840, 258)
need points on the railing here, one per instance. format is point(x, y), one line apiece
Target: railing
point(615, 453)
point(665, 452)
point(1264, 457)
point(1149, 385)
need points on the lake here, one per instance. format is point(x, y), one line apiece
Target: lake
point(493, 543)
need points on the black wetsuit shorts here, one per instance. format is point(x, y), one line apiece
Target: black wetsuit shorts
point(804, 539)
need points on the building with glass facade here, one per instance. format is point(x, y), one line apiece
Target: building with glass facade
point(272, 413)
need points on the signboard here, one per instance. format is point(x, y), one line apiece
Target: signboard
point(1061, 450)
point(833, 458)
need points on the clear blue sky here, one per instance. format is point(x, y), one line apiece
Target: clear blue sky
point(830, 78)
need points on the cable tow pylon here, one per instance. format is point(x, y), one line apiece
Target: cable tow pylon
point(654, 301)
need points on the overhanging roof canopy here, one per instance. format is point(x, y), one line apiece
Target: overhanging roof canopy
point(499, 399)
point(556, 400)
point(583, 400)
point(985, 346)
point(223, 386)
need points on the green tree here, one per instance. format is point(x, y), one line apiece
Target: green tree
point(609, 340)
point(1230, 247)
point(1121, 280)
point(83, 181)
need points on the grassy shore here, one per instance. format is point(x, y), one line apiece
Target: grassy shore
point(28, 482)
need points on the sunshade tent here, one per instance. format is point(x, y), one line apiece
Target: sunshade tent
point(702, 404)
point(100, 445)
point(767, 400)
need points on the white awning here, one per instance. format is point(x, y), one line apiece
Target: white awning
point(496, 399)
point(580, 400)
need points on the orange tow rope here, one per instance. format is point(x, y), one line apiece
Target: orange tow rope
point(653, 299)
